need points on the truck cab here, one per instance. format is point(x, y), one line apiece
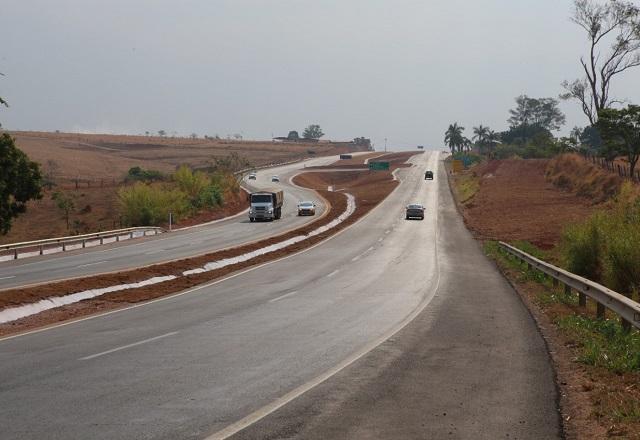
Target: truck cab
point(265, 205)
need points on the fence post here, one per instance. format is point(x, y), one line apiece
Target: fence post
point(600, 311)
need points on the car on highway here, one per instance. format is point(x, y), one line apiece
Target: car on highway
point(306, 208)
point(275, 179)
point(415, 210)
point(252, 176)
point(428, 175)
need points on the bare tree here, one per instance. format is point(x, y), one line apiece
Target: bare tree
point(617, 23)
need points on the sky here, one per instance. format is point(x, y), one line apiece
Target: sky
point(396, 69)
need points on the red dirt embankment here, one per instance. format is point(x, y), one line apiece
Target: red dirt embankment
point(369, 189)
point(515, 201)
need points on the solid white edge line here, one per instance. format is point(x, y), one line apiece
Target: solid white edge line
point(202, 286)
point(259, 414)
point(124, 347)
point(286, 295)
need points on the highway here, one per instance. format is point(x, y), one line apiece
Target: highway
point(188, 366)
point(179, 244)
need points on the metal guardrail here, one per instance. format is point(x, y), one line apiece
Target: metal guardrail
point(41, 245)
point(626, 308)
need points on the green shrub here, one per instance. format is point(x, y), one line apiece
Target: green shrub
point(581, 247)
point(142, 175)
point(146, 205)
point(210, 197)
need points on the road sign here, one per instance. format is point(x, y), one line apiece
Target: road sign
point(457, 166)
point(378, 166)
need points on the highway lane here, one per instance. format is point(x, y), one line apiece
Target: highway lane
point(178, 244)
point(190, 365)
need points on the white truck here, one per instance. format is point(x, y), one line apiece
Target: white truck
point(266, 205)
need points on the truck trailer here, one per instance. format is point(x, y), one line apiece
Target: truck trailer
point(266, 205)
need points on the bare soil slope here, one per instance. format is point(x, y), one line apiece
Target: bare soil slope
point(514, 201)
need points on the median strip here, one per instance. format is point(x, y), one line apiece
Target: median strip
point(368, 190)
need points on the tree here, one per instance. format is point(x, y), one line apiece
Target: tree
point(64, 203)
point(194, 136)
point(454, 137)
point(20, 181)
point(51, 171)
point(540, 112)
point(620, 130)
point(313, 131)
point(162, 133)
point(616, 23)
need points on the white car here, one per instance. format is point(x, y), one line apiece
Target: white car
point(252, 176)
point(275, 179)
point(306, 208)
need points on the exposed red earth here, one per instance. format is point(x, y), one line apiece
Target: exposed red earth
point(516, 202)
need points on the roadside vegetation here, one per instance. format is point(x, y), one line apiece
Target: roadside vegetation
point(181, 194)
point(589, 179)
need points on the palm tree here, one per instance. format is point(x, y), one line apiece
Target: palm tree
point(480, 134)
point(454, 138)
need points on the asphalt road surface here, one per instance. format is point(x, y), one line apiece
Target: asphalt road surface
point(165, 247)
point(470, 365)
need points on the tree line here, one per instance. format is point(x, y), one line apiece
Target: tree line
point(613, 34)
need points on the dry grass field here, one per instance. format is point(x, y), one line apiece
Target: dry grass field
point(99, 163)
point(101, 156)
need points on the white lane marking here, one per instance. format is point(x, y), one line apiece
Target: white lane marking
point(288, 397)
point(92, 264)
point(370, 249)
point(357, 257)
point(380, 239)
point(154, 252)
point(7, 278)
point(333, 273)
point(387, 231)
point(286, 295)
point(124, 347)
point(198, 288)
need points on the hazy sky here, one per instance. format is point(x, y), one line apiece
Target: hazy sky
point(401, 69)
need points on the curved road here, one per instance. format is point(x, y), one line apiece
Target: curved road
point(179, 244)
point(188, 366)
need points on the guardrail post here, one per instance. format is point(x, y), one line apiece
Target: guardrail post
point(600, 311)
point(117, 237)
point(64, 246)
point(582, 299)
point(554, 281)
point(15, 254)
point(84, 243)
point(131, 234)
point(41, 250)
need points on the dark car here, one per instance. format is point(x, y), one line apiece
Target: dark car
point(428, 175)
point(415, 211)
